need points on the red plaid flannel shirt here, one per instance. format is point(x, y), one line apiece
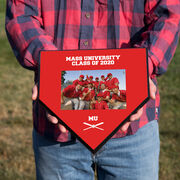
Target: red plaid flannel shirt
point(34, 25)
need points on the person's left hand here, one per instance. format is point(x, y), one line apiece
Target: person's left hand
point(137, 115)
point(50, 117)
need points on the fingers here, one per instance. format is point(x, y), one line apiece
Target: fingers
point(132, 118)
point(34, 92)
point(152, 89)
point(62, 128)
point(51, 118)
point(125, 126)
point(54, 120)
point(137, 115)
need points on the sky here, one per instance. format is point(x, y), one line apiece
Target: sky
point(118, 73)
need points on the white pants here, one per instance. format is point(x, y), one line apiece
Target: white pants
point(84, 104)
point(119, 105)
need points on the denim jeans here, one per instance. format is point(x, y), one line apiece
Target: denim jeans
point(134, 157)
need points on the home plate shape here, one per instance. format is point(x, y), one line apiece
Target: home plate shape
point(93, 92)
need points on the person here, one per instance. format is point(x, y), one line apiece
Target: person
point(96, 84)
point(99, 103)
point(79, 81)
point(86, 97)
point(72, 94)
point(102, 80)
point(105, 93)
point(132, 153)
point(118, 99)
point(111, 81)
point(89, 79)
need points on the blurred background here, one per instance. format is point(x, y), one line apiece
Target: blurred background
point(16, 155)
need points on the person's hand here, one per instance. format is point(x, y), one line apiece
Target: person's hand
point(51, 118)
point(137, 115)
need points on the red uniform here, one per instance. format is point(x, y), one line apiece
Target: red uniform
point(120, 97)
point(111, 82)
point(96, 84)
point(85, 83)
point(102, 82)
point(88, 81)
point(100, 105)
point(90, 96)
point(77, 81)
point(91, 81)
point(89, 77)
point(105, 93)
point(71, 92)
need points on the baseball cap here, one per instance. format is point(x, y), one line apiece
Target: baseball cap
point(82, 76)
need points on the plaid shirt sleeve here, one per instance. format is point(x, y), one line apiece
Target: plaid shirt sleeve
point(162, 18)
point(24, 30)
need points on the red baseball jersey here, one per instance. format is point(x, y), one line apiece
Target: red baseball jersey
point(120, 97)
point(96, 84)
point(100, 105)
point(89, 96)
point(85, 83)
point(71, 92)
point(91, 82)
point(111, 82)
point(77, 81)
point(105, 93)
point(102, 82)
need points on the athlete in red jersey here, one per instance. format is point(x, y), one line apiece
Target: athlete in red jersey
point(71, 91)
point(79, 81)
point(99, 103)
point(102, 80)
point(88, 95)
point(112, 81)
point(89, 79)
point(118, 99)
point(105, 93)
point(120, 96)
point(72, 94)
point(96, 84)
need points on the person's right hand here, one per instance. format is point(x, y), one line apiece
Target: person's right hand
point(51, 118)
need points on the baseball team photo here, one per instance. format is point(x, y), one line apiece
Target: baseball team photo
point(93, 89)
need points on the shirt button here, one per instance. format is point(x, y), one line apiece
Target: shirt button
point(86, 43)
point(87, 15)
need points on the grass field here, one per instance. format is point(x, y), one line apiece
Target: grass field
point(16, 155)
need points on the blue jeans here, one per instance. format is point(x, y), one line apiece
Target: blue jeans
point(134, 157)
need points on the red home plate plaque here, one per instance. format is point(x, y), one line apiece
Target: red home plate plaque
point(93, 92)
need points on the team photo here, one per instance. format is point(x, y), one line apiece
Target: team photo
point(93, 90)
